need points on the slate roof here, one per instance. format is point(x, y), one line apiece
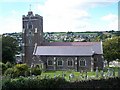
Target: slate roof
point(69, 43)
point(70, 49)
point(64, 50)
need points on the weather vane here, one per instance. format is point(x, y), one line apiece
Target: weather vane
point(30, 7)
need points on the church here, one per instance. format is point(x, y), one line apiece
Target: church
point(57, 55)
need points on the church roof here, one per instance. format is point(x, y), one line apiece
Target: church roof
point(70, 49)
point(69, 43)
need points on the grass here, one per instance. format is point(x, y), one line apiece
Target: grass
point(78, 75)
point(51, 74)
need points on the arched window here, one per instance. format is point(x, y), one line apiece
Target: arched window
point(60, 62)
point(29, 25)
point(49, 61)
point(70, 62)
point(35, 30)
point(82, 62)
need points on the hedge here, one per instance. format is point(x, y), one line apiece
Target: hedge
point(60, 83)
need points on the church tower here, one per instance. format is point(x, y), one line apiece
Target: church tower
point(32, 34)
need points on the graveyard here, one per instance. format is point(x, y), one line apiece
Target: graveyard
point(71, 75)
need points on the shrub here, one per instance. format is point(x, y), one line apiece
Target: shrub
point(8, 65)
point(9, 71)
point(21, 67)
point(3, 67)
point(36, 71)
point(17, 70)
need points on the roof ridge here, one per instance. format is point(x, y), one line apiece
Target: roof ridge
point(66, 46)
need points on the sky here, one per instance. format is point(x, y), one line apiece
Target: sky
point(61, 15)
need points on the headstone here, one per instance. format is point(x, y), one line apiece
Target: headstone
point(105, 75)
point(33, 75)
point(119, 72)
point(86, 75)
point(81, 74)
point(71, 76)
point(113, 73)
point(102, 74)
point(108, 72)
point(96, 72)
point(63, 75)
point(54, 75)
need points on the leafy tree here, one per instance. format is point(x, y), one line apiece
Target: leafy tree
point(9, 49)
point(111, 49)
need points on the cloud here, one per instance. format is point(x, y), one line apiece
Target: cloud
point(110, 17)
point(72, 15)
point(60, 16)
point(63, 15)
point(112, 21)
point(113, 25)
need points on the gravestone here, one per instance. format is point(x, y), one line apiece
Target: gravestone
point(96, 72)
point(119, 72)
point(113, 73)
point(108, 72)
point(63, 75)
point(71, 76)
point(81, 74)
point(86, 75)
point(54, 75)
point(102, 74)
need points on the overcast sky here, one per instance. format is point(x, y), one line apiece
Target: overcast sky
point(61, 15)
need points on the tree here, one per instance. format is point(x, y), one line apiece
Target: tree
point(111, 49)
point(9, 49)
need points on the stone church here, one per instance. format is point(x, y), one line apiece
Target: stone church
point(57, 55)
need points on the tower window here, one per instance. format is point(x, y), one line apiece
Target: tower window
point(23, 30)
point(29, 25)
point(35, 30)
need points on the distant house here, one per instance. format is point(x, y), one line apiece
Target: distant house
point(57, 55)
